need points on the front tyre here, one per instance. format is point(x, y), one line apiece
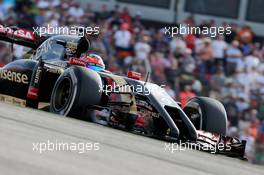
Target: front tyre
point(75, 90)
point(207, 114)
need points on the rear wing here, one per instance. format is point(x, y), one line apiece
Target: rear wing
point(20, 36)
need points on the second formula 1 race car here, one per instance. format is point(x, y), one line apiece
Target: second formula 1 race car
point(57, 74)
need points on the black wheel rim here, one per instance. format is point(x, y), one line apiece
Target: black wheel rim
point(63, 94)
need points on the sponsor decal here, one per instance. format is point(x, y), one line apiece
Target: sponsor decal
point(76, 61)
point(22, 33)
point(60, 63)
point(12, 100)
point(37, 77)
point(55, 70)
point(14, 76)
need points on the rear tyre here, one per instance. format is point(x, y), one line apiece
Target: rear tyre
point(75, 90)
point(207, 114)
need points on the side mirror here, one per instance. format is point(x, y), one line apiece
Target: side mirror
point(83, 46)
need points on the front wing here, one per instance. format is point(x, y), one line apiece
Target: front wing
point(220, 144)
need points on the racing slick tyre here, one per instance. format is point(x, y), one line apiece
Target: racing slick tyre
point(75, 90)
point(207, 114)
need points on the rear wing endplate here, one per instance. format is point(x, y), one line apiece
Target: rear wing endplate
point(20, 36)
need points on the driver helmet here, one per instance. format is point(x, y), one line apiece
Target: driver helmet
point(95, 62)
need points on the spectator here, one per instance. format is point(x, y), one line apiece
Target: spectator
point(137, 20)
point(219, 47)
point(177, 46)
point(245, 35)
point(142, 48)
point(159, 42)
point(232, 111)
point(43, 4)
point(125, 16)
point(251, 61)
point(190, 41)
point(122, 40)
point(98, 46)
point(187, 62)
point(104, 13)
point(157, 62)
point(185, 95)
point(205, 56)
point(76, 11)
point(217, 83)
point(233, 57)
point(40, 18)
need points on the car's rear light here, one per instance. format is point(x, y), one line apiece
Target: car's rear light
point(134, 75)
point(76, 61)
point(32, 93)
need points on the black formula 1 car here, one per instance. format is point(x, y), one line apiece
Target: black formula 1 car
point(56, 75)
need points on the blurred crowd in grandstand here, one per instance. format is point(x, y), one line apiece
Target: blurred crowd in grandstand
point(228, 67)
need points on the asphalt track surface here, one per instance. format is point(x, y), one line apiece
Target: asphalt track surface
point(120, 152)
